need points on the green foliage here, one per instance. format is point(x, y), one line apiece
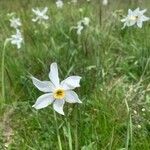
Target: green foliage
point(114, 65)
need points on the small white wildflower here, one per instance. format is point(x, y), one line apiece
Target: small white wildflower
point(81, 10)
point(56, 92)
point(15, 22)
point(86, 21)
point(80, 24)
point(143, 109)
point(135, 17)
point(59, 3)
point(105, 2)
point(135, 112)
point(139, 126)
point(74, 1)
point(16, 39)
point(40, 15)
point(79, 28)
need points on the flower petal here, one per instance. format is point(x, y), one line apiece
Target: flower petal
point(123, 20)
point(58, 106)
point(43, 101)
point(71, 82)
point(139, 24)
point(143, 11)
point(53, 75)
point(33, 10)
point(45, 17)
point(44, 86)
point(44, 10)
point(72, 97)
point(34, 19)
point(130, 11)
point(144, 18)
point(137, 10)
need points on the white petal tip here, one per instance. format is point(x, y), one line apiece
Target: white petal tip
point(34, 106)
point(61, 113)
point(54, 63)
point(31, 77)
point(79, 102)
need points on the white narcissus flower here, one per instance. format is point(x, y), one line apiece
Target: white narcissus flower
point(105, 2)
point(59, 3)
point(74, 1)
point(15, 22)
point(135, 17)
point(56, 92)
point(79, 27)
point(130, 20)
point(40, 15)
point(140, 17)
point(16, 39)
point(81, 24)
point(86, 21)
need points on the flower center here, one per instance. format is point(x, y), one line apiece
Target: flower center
point(133, 18)
point(59, 94)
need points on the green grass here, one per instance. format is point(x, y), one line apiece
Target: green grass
point(115, 69)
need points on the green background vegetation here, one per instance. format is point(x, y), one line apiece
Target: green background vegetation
point(115, 69)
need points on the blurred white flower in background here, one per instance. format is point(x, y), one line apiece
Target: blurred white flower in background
point(15, 22)
point(59, 3)
point(16, 39)
point(105, 2)
point(79, 27)
point(86, 21)
point(81, 24)
point(135, 17)
point(74, 1)
point(40, 15)
point(143, 109)
point(139, 126)
point(56, 92)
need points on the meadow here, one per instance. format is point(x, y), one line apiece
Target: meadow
point(114, 64)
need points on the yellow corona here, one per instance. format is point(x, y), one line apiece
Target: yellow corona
point(59, 94)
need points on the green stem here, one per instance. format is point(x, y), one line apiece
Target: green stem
point(3, 74)
point(129, 126)
point(57, 130)
point(76, 130)
point(69, 135)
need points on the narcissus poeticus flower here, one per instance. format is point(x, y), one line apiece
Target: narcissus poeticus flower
point(40, 15)
point(59, 4)
point(81, 24)
point(105, 2)
point(56, 92)
point(15, 22)
point(16, 39)
point(135, 17)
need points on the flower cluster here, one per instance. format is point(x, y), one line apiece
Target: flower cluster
point(17, 38)
point(56, 92)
